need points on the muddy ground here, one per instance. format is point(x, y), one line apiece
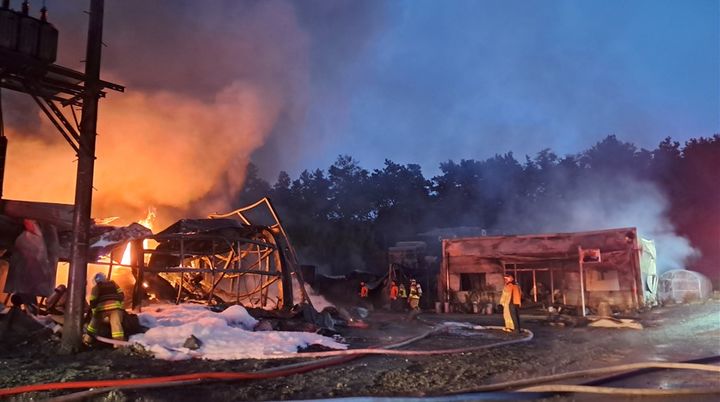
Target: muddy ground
point(672, 333)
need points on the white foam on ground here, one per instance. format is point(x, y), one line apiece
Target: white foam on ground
point(225, 336)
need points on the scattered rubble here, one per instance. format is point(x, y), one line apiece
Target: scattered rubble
point(607, 322)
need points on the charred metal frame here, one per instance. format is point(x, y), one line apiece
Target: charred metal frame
point(270, 255)
point(49, 85)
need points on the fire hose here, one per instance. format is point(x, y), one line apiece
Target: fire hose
point(339, 357)
point(335, 357)
point(385, 350)
point(490, 392)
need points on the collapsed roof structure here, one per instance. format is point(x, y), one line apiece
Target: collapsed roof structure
point(242, 257)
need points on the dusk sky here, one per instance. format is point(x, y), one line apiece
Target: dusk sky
point(414, 81)
point(423, 81)
point(468, 79)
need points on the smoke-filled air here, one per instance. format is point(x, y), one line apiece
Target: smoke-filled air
point(186, 143)
point(288, 86)
point(606, 203)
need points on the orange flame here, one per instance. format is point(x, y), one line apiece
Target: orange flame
point(148, 223)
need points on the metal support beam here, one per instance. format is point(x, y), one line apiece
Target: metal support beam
point(72, 130)
point(77, 276)
point(72, 138)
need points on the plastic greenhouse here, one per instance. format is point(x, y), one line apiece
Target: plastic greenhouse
point(681, 286)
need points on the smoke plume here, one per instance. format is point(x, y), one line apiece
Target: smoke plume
point(603, 203)
point(206, 85)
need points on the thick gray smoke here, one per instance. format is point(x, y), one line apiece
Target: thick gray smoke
point(208, 84)
point(603, 203)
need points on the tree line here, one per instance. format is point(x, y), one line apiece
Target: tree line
point(346, 217)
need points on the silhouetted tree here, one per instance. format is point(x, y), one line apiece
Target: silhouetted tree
point(347, 218)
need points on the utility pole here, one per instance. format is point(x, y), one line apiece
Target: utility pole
point(77, 277)
point(3, 149)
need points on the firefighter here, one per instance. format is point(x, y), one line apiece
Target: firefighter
point(394, 290)
point(106, 302)
point(402, 294)
point(363, 291)
point(415, 295)
point(510, 301)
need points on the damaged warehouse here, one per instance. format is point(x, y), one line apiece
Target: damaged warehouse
point(222, 260)
point(583, 269)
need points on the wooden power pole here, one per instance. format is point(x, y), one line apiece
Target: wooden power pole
point(77, 277)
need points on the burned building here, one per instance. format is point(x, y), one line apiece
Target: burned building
point(225, 259)
point(243, 257)
point(583, 269)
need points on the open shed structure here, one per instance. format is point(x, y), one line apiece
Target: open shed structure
point(582, 268)
point(242, 257)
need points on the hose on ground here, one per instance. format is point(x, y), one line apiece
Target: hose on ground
point(345, 355)
point(629, 374)
point(382, 350)
point(326, 362)
point(591, 389)
point(591, 372)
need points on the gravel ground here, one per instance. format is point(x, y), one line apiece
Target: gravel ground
point(670, 333)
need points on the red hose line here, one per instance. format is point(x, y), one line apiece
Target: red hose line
point(165, 379)
point(342, 356)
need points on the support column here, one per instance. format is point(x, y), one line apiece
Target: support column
point(582, 280)
point(137, 261)
point(77, 276)
point(3, 149)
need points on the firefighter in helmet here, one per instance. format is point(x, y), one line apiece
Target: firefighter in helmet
point(394, 292)
point(510, 300)
point(414, 295)
point(106, 304)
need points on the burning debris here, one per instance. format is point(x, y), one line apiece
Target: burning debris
point(225, 261)
point(37, 236)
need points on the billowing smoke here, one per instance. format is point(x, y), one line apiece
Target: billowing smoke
point(154, 149)
point(206, 85)
point(606, 202)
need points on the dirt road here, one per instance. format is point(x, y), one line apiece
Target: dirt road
point(671, 333)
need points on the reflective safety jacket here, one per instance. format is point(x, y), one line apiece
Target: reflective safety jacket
point(394, 290)
point(415, 291)
point(105, 296)
point(510, 295)
point(402, 292)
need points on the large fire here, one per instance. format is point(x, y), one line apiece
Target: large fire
point(175, 153)
point(119, 271)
